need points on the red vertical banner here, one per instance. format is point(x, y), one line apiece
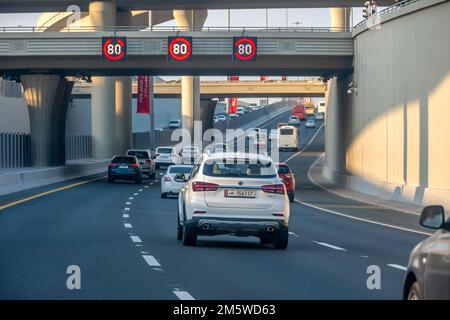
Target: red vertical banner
point(232, 105)
point(143, 94)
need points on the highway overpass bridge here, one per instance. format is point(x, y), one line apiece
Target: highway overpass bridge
point(318, 52)
point(226, 89)
point(8, 6)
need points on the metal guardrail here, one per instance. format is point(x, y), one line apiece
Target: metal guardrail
point(388, 10)
point(170, 29)
point(15, 150)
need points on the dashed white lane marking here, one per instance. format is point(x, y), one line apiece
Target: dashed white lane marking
point(293, 234)
point(329, 246)
point(128, 225)
point(135, 194)
point(397, 266)
point(361, 219)
point(151, 261)
point(136, 239)
point(156, 180)
point(130, 198)
point(128, 203)
point(140, 190)
point(126, 216)
point(183, 295)
point(126, 209)
point(365, 257)
point(146, 187)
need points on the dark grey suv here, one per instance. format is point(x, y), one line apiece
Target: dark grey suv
point(428, 273)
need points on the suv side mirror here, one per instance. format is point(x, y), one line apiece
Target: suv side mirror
point(180, 177)
point(433, 217)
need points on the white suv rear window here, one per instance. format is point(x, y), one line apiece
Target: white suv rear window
point(239, 168)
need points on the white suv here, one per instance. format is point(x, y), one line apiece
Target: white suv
point(233, 193)
point(166, 156)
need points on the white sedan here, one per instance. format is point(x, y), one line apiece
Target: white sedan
point(169, 186)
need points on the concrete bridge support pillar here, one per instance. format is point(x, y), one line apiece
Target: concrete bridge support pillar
point(103, 14)
point(47, 98)
point(123, 99)
point(190, 20)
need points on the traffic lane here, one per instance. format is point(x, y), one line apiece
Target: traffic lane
point(81, 226)
point(308, 192)
point(226, 267)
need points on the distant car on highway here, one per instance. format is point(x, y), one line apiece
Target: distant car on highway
point(287, 176)
point(240, 111)
point(233, 115)
point(234, 193)
point(310, 123)
point(294, 121)
point(215, 119)
point(318, 116)
point(221, 117)
point(146, 161)
point(168, 184)
point(428, 272)
point(189, 154)
point(166, 156)
point(174, 124)
point(124, 168)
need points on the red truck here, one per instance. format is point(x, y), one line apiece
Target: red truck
point(299, 110)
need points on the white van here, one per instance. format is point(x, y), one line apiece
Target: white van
point(288, 138)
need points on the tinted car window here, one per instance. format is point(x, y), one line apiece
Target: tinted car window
point(127, 160)
point(164, 150)
point(138, 154)
point(239, 168)
point(180, 170)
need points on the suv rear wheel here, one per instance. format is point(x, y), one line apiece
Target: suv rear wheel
point(189, 235)
point(281, 239)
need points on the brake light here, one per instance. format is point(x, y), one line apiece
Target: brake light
point(274, 188)
point(204, 186)
point(148, 162)
point(112, 164)
point(135, 165)
point(167, 178)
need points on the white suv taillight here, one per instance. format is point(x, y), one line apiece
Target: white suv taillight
point(204, 186)
point(274, 188)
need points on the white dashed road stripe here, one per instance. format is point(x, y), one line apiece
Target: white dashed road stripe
point(130, 198)
point(151, 261)
point(135, 194)
point(140, 190)
point(128, 203)
point(397, 266)
point(126, 216)
point(136, 239)
point(126, 209)
point(329, 246)
point(127, 225)
point(183, 295)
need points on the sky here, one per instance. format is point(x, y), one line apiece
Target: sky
point(219, 18)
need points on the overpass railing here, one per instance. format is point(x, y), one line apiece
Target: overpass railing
point(170, 29)
point(388, 10)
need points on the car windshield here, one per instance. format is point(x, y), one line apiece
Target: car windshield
point(239, 168)
point(286, 132)
point(180, 169)
point(138, 154)
point(164, 150)
point(126, 160)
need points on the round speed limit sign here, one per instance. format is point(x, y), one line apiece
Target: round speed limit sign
point(114, 48)
point(244, 48)
point(179, 48)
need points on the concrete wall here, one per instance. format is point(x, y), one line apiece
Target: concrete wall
point(397, 129)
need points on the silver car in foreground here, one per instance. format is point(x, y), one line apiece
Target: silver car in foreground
point(428, 272)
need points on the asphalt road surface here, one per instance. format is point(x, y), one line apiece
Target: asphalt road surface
point(122, 236)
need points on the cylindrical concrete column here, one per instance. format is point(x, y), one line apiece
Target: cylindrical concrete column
point(103, 117)
point(103, 14)
point(40, 92)
point(190, 20)
point(341, 19)
point(123, 99)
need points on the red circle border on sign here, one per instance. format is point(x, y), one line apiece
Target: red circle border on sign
point(249, 41)
point(110, 57)
point(184, 56)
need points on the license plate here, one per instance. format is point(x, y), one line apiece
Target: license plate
point(239, 193)
point(123, 167)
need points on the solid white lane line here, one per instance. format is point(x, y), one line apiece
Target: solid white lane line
point(125, 216)
point(136, 239)
point(305, 147)
point(128, 225)
point(362, 219)
point(329, 246)
point(151, 261)
point(397, 266)
point(183, 295)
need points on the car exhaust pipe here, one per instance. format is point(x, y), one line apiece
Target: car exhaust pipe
point(206, 226)
point(270, 228)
